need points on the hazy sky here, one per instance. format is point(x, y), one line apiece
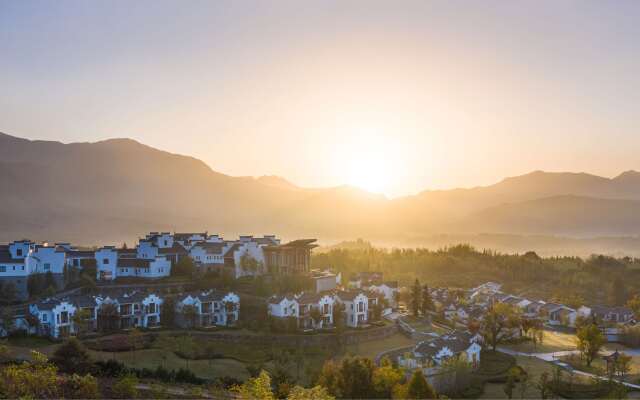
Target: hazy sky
point(394, 96)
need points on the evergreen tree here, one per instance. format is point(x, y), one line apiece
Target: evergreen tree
point(427, 302)
point(419, 388)
point(415, 298)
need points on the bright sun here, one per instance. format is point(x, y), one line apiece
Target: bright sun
point(368, 161)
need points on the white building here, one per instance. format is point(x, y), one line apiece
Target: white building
point(55, 317)
point(389, 290)
point(210, 308)
point(356, 307)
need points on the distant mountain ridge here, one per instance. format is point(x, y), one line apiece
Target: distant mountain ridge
point(115, 190)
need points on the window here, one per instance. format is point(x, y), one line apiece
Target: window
point(105, 261)
point(3, 268)
point(44, 317)
point(19, 252)
point(47, 266)
point(22, 267)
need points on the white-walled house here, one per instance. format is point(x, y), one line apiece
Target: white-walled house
point(389, 290)
point(285, 306)
point(55, 317)
point(209, 256)
point(323, 303)
point(43, 259)
point(430, 354)
point(211, 308)
point(356, 307)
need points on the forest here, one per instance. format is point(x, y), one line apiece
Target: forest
point(598, 279)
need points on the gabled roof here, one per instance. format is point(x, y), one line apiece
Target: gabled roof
point(210, 248)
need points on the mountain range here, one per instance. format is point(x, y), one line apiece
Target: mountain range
point(115, 190)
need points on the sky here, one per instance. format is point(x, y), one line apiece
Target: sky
point(392, 96)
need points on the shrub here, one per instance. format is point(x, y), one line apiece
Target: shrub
point(125, 387)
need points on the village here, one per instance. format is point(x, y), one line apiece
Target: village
point(418, 328)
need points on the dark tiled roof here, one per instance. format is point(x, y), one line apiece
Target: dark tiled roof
point(211, 248)
point(5, 257)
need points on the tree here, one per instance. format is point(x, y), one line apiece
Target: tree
point(81, 387)
point(339, 316)
point(329, 378)
point(108, 317)
point(356, 378)
point(190, 314)
point(498, 324)
point(315, 315)
point(36, 379)
point(8, 320)
point(590, 341)
point(618, 292)
point(427, 301)
point(81, 320)
point(125, 387)
point(185, 267)
point(255, 388)
point(315, 393)
point(537, 335)
point(634, 304)
point(250, 264)
point(73, 357)
point(510, 384)
point(544, 386)
point(415, 298)
point(623, 364)
point(385, 378)
point(419, 388)
point(168, 312)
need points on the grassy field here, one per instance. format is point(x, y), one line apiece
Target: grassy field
point(373, 348)
point(553, 341)
point(534, 367)
point(152, 358)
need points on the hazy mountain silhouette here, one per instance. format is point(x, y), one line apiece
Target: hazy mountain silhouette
point(117, 189)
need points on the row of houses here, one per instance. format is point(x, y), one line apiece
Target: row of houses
point(60, 317)
point(317, 310)
point(465, 306)
point(156, 253)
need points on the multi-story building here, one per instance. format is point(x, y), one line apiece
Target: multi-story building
point(210, 308)
point(290, 258)
point(356, 307)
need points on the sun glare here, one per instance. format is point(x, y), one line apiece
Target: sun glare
point(368, 161)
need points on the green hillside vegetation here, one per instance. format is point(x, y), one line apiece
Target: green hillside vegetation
point(572, 280)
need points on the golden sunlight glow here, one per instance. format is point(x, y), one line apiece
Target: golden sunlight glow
point(368, 160)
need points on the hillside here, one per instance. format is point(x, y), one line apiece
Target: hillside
point(115, 190)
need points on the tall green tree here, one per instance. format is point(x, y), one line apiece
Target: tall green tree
point(427, 301)
point(590, 341)
point(416, 293)
point(499, 323)
point(419, 388)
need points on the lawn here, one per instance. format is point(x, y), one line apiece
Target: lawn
point(552, 341)
point(534, 367)
point(152, 358)
point(372, 348)
point(599, 366)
